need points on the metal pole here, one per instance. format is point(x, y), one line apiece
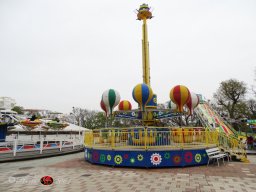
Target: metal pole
point(145, 53)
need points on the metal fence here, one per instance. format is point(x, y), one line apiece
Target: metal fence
point(160, 138)
point(151, 137)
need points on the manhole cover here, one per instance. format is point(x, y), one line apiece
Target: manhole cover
point(20, 175)
point(86, 175)
point(22, 168)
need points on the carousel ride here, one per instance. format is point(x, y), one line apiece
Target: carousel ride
point(150, 142)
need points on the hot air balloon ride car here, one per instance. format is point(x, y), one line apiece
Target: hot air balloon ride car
point(180, 95)
point(103, 107)
point(142, 94)
point(125, 105)
point(192, 102)
point(56, 125)
point(31, 124)
point(111, 99)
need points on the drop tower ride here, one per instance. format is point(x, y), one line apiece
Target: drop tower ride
point(143, 14)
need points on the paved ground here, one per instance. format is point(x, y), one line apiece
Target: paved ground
point(72, 173)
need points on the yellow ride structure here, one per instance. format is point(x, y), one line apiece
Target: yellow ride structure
point(144, 13)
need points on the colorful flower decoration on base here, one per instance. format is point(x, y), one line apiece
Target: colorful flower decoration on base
point(176, 159)
point(109, 157)
point(132, 160)
point(118, 159)
point(126, 156)
point(102, 158)
point(156, 158)
point(95, 156)
point(188, 157)
point(167, 155)
point(140, 157)
point(198, 158)
point(163, 158)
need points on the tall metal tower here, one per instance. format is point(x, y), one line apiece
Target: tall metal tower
point(144, 14)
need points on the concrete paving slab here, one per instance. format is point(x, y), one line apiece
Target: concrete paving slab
point(72, 173)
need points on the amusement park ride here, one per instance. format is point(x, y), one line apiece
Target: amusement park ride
point(28, 142)
point(29, 124)
point(52, 124)
point(150, 145)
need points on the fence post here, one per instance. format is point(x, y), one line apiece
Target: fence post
point(73, 142)
point(90, 139)
point(81, 139)
point(41, 146)
point(14, 147)
point(145, 137)
point(60, 145)
point(181, 138)
point(113, 138)
point(219, 140)
point(206, 137)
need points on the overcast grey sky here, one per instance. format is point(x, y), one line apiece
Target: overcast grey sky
point(56, 54)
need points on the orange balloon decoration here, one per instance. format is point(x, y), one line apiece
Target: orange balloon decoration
point(180, 95)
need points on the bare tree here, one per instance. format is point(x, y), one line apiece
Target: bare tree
point(230, 95)
point(88, 118)
point(254, 83)
point(79, 115)
point(251, 103)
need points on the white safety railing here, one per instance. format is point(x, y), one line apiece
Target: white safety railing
point(27, 144)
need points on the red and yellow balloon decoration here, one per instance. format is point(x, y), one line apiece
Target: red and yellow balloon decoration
point(124, 105)
point(180, 95)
